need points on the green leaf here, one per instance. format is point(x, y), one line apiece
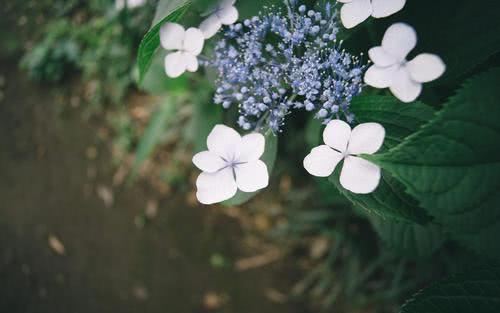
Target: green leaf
point(167, 11)
point(400, 120)
point(409, 240)
point(153, 135)
point(474, 292)
point(452, 165)
point(389, 201)
point(269, 157)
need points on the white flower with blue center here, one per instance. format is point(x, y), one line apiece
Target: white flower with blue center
point(354, 12)
point(341, 143)
point(224, 14)
point(187, 45)
point(231, 163)
point(392, 70)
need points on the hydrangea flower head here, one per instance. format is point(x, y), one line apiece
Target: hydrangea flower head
point(276, 62)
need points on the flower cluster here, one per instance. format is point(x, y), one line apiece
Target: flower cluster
point(277, 62)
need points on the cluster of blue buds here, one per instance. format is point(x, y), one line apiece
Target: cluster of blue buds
point(276, 62)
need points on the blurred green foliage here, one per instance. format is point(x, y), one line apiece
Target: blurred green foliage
point(57, 55)
point(94, 40)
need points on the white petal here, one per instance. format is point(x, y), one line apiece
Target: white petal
point(193, 41)
point(210, 26)
point(355, 12)
point(381, 77)
point(208, 162)
point(426, 67)
point(405, 88)
point(251, 176)
point(252, 147)
point(359, 176)
point(322, 160)
point(225, 142)
point(172, 36)
point(191, 62)
point(366, 138)
point(383, 8)
point(344, 1)
point(381, 58)
point(175, 64)
point(399, 40)
point(337, 134)
point(216, 187)
point(135, 3)
point(228, 15)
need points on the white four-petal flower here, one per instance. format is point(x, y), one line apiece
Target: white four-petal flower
point(358, 175)
point(353, 12)
point(225, 13)
point(392, 70)
point(187, 45)
point(231, 163)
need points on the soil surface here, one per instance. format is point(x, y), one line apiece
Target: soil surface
point(63, 250)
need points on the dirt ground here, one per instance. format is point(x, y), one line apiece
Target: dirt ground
point(63, 249)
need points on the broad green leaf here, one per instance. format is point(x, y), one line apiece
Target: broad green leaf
point(410, 240)
point(167, 11)
point(400, 120)
point(153, 134)
point(452, 165)
point(389, 201)
point(474, 292)
point(268, 158)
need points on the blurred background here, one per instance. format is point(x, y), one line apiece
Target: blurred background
point(97, 205)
